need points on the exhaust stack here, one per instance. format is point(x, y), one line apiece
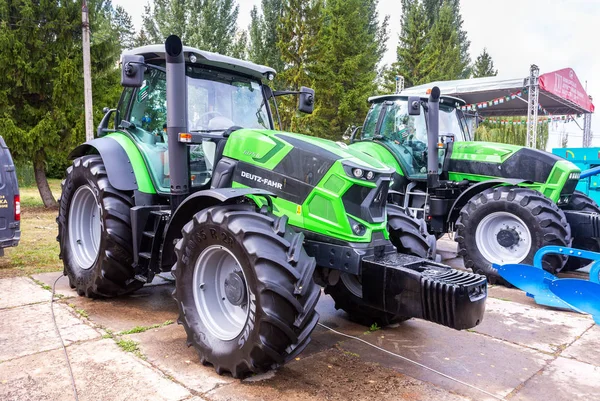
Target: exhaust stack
point(177, 120)
point(433, 138)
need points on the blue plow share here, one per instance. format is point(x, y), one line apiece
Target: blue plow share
point(546, 289)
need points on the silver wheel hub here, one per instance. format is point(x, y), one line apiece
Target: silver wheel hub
point(221, 292)
point(502, 238)
point(84, 227)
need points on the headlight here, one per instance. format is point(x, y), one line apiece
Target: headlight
point(370, 175)
point(357, 172)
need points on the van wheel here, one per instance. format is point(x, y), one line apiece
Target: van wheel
point(94, 232)
point(244, 289)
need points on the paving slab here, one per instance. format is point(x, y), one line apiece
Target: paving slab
point(586, 348)
point(166, 349)
point(511, 294)
point(485, 362)
point(563, 380)
point(545, 329)
point(332, 375)
point(107, 373)
point(145, 307)
point(62, 285)
point(20, 291)
point(29, 329)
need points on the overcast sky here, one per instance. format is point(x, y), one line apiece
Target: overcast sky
point(553, 34)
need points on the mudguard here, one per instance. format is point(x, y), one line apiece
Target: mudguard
point(474, 190)
point(194, 203)
point(118, 166)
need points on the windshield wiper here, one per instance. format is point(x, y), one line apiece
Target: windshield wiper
point(208, 130)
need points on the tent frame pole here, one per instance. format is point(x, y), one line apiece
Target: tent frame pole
point(533, 105)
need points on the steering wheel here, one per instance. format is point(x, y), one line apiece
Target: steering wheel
point(202, 116)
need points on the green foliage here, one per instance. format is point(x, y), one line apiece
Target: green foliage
point(25, 175)
point(352, 43)
point(263, 31)
point(298, 42)
point(410, 62)
point(509, 133)
point(484, 66)
point(433, 45)
point(442, 53)
point(205, 24)
point(41, 86)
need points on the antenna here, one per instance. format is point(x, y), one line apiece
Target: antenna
point(399, 83)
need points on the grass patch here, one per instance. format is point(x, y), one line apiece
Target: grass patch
point(131, 346)
point(43, 285)
point(38, 249)
point(141, 329)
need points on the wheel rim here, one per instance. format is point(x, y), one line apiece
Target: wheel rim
point(352, 283)
point(84, 227)
point(221, 292)
point(502, 237)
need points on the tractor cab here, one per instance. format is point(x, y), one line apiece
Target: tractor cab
point(404, 134)
point(222, 92)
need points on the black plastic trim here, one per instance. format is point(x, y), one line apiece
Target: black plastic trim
point(118, 167)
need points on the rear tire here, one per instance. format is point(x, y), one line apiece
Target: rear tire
point(99, 261)
point(582, 203)
point(409, 236)
point(258, 314)
point(523, 217)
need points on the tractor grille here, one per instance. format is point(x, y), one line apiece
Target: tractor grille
point(367, 203)
point(447, 297)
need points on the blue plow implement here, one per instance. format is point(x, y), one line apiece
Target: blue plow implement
point(547, 289)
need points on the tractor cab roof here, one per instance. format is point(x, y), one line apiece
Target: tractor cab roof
point(155, 54)
point(444, 99)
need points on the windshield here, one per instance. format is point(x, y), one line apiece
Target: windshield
point(404, 135)
point(216, 101)
point(451, 122)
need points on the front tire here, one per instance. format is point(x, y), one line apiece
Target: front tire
point(508, 225)
point(580, 202)
point(244, 289)
point(94, 232)
point(409, 236)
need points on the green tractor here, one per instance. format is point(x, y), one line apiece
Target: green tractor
point(502, 202)
point(194, 180)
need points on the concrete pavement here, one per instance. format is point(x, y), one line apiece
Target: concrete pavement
point(129, 349)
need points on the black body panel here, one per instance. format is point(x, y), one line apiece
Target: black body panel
point(525, 164)
point(583, 224)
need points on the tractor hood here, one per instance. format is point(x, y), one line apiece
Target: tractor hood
point(270, 147)
point(489, 159)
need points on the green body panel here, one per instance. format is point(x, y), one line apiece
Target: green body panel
point(484, 152)
point(323, 210)
point(380, 153)
point(491, 152)
point(140, 170)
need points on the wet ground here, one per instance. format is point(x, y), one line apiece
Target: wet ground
point(130, 349)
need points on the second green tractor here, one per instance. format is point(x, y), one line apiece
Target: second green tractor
point(501, 202)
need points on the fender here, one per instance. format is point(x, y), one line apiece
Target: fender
point(473, 190)
point(116, 161)
point(193, 204)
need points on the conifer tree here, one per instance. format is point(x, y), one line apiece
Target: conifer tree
point(41, 85)
point(264, 34)
point(352, 44)
point(298, 35)
point(484, 66)
point(442, 53)
point(410, 62)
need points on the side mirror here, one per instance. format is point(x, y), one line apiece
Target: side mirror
point(103, 126)
point(132, 72)
point(414, 105)
point(348, 133)
point(306, 100)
